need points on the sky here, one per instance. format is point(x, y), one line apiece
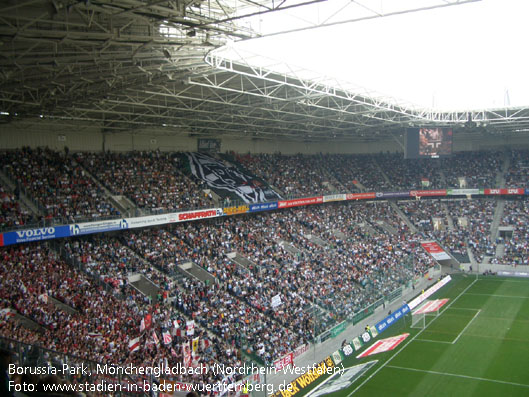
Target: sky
point(466, 57)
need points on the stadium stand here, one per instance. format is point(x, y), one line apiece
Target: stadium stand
point(323, 262)
point(518, 173)
point(61, 187)
point(517, 247)
point(12, 213)
point(152, 180)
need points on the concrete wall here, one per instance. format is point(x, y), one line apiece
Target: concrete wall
point(88, 137)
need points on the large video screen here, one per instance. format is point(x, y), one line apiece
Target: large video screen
point(428, 142)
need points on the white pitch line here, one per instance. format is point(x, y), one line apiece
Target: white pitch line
point(460, 376)
point(500, 296)
point(411, 340)
point(464, 308)
point(503, 280)
point(470, 322)
point(434, 341)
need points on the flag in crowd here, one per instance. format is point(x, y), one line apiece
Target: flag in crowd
point(134, 344)
point(167, 339)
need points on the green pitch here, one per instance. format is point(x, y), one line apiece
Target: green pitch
point(477, 346)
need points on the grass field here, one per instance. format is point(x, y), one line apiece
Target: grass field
point(477, 346)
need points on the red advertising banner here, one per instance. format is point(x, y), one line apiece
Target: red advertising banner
point(431, 306)
point(504, 191)
point(299, 202)
point(435, 250)
point(189, 215)
point(300, 350)
point(428, 193)
point(360, 196)
point(1, 239)
point(384, 345)
point(284, 362)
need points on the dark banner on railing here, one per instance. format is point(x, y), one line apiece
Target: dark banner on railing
point(428, 193)
point(392, 194)
point(28, 235)
point(299, 202)
point(392, 318)
point(263, 207)
point(38, 234)
point(97, 227)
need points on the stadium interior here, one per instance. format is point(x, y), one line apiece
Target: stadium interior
point(160, 203)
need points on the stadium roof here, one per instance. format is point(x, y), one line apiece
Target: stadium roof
point(139, 65)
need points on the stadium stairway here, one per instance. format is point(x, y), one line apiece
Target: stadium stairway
point(500, 250)
point(122, 203)
point(500, 176)
point(61, 305)
point(367, 226)
point(498, 216)
point(24, 198)
point(385, 227)
point(317, 240)
point(471, 256)
point(403, 216)
point(243, 262)
point(339, 234)
point(449, 218)
point(144, 285)
point(442, 177)
point(382, 173)
point(192, 270)
point(290, 248)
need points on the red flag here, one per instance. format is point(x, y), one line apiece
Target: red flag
point(148, 321)
point(142, 325)
point(186, 352)
point(167, 339)
point(134, 344)
point(205, 343)
point(155, 338)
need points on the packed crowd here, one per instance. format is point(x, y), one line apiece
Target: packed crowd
point(159, 182)
point(221, 307)
point(295, 176)
point(476, 169)
point(517, 176)
point(12, 213)
point(100, 325)
point(405, 174)
point(303, 281)
point(106, 258)
point(516, 214)
point(58, 183)
point(312, 273)
point(360, 255)
point(472, 223)
point(357, 172)
point(422, 213)
point(152, 180)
